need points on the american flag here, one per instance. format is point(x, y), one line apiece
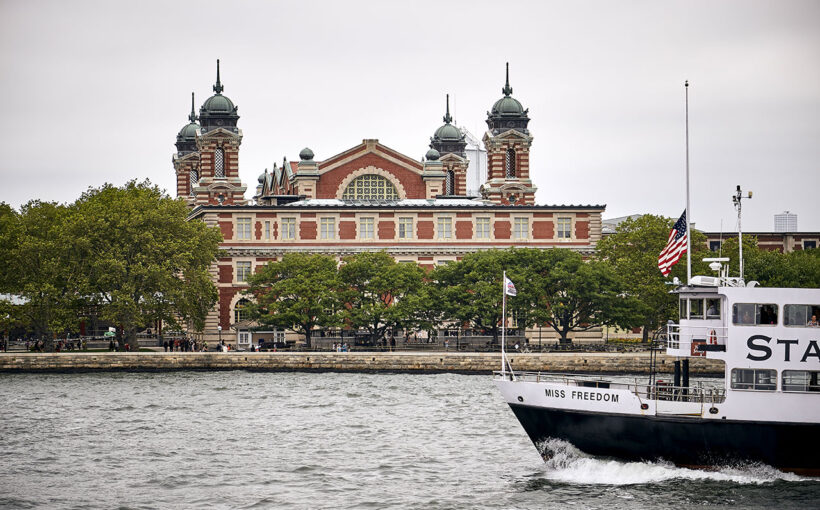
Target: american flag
point(675, 246)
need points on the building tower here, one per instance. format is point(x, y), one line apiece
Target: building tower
point(186, 158)
point(218, 143)
point(450, 144)
point(508, 144)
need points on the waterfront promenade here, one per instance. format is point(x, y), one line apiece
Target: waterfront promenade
point(426, 362)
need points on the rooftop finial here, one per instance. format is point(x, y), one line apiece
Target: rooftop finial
point(507, 90)
point(218, 88)
point(192, 116)
point(447, 118)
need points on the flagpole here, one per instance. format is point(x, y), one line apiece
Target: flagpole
point(688, 214)
point(503, 321)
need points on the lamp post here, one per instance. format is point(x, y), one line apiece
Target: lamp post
point(219, 330)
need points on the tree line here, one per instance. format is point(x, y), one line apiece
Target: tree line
point(124, 255)
point(129, 256)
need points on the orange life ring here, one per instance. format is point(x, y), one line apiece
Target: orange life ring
point(713, 337)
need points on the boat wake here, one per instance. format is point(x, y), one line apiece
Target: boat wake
point(565, 463)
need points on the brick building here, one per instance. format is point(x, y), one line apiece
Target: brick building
point(784, 242)
point(369, 197)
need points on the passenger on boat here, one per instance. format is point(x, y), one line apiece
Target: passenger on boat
point(813, 322)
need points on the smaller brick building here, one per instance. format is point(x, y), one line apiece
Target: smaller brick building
point(784, 242)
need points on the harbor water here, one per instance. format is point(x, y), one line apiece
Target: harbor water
point(321, 440)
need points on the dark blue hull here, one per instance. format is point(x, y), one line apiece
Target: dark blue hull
point(684, 441)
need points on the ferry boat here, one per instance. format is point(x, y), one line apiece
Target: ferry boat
point(768, 409)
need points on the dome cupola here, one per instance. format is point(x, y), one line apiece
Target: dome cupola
point(218, 111)
point(186, 138)
point(306, 154)
point(507, 113)
point(448, 138)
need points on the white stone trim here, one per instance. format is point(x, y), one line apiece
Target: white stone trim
point(232, 306)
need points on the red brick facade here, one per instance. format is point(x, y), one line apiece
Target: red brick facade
point(299, 200)
point(425, 229)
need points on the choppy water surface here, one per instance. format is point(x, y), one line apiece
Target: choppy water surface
point(292, 440)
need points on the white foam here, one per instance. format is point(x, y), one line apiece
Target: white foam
point(569, 465)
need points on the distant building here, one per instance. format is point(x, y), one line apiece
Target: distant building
point(610, 226)
point(785, 222)
point(477, 168)
point(783, 242)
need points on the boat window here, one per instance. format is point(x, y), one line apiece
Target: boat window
point(801, 315)
point(801, 380)
point(684, 314)
point(754, 314)
point(754, 379)
point(695, 308)
point(713, 308)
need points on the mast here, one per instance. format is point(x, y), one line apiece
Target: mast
point(736, 198)
point(503, 321)
point(688, 212)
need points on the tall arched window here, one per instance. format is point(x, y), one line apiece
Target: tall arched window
point(450, 183)
point(370, 187)
point(510, 163)
point(240, 312)
point(194, 177)
point(219, 163)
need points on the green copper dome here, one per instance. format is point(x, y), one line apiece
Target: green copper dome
point(432, 155)
point(507, 106)
point(448, 139)
point(218, 111)
point(188, 132)
point(447, 132)
point(186, 138)
point(218, 104)
point(507, 113)
point(306, 154)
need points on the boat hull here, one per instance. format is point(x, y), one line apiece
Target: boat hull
point(686, 441)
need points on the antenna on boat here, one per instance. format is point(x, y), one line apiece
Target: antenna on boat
point(736, 198)
point(688, 212)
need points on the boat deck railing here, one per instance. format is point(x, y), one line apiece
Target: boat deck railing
point(684, 336)
point(700, 392)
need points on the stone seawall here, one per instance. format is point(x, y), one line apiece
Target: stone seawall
point(634, 363)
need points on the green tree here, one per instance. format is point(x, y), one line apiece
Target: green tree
point(10, 233)
point(633, 252)
point(300, 293)
point(422, 310)
point(573, 295)
point(378, 292)
point(470, 290)
point(42, 269)
point(799, 269)
point(141, 259)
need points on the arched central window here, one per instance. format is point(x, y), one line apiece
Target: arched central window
point(240, 312)
point(219, 163)
point(510, 163)
point(450, 183)
point(370, 187)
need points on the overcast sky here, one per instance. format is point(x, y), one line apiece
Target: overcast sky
point(95, 92)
